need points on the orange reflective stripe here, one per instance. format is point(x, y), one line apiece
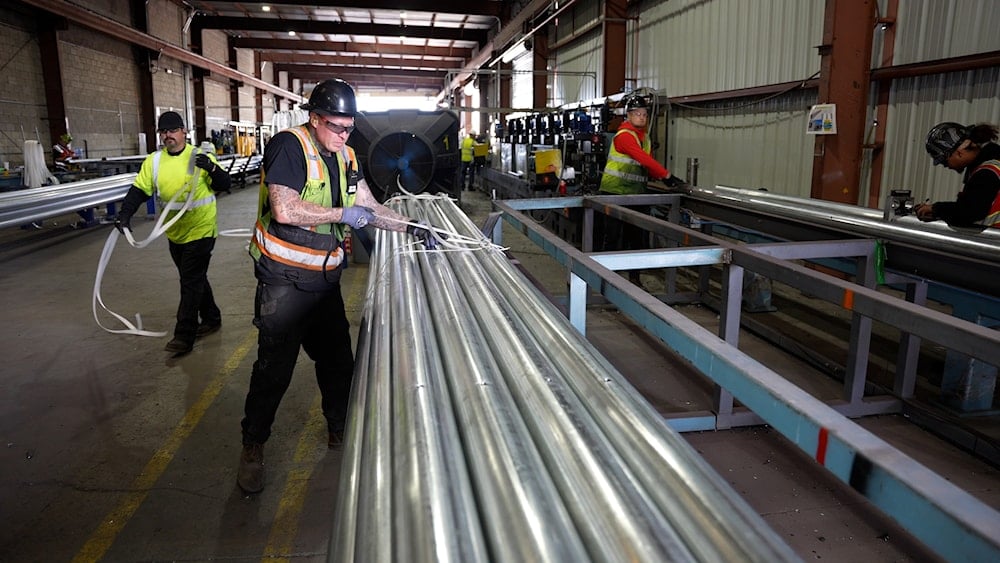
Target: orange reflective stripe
point(295, 255)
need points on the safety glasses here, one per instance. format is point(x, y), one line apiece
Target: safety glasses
point(337, 129)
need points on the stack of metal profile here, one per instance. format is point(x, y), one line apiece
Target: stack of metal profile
point(483, 427)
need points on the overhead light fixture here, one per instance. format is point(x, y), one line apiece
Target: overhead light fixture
point(265, 8)
point(514, 52)
point(291, 32)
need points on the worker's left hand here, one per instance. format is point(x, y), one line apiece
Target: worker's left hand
point(205, 163)
point(427, 235)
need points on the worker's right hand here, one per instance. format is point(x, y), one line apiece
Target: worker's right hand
point(924, 212)
point(673, 181)
point(204, 162)
point(357, 216)
point(123, 221)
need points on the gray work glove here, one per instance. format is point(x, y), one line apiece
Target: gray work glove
point(357, 217)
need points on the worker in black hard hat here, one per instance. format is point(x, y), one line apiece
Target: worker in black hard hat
point(312, 191)
point(968, 150)
point(171, 173)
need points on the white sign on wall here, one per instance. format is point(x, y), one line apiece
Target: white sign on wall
point(822, 120)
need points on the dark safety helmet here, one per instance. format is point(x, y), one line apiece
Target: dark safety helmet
point(169, 120)
point(636, 101)
point(332, 97)
point(944, 138)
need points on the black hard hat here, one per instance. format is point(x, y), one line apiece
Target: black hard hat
point(332, 97)
point(944, 138)
point(169, 120)
point(636, 101)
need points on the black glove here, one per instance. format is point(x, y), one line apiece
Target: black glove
point(133, 199)
point(673, 181)
point(124, 221)
point(427, 235)
point(204, 162)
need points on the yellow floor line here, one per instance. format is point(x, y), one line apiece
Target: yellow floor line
point(284, 528)
point(102, 538)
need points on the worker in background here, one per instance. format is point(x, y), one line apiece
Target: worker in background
point(629, 168)
point(968, 150)
point(312, 190)
point(171, 172)
point(468, 172)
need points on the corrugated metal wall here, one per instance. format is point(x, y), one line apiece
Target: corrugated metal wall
point(694, 47)
point(583, 52)
point(938, 29)
point(763, 145)
point(582, 55)
point(698, 46)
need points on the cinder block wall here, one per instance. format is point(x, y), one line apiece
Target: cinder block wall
point(100, 77)
point(22, 93)
point(218, 111)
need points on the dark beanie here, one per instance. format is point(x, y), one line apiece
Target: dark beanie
point(169, 120)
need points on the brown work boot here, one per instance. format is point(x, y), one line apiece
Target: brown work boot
point(250, 476)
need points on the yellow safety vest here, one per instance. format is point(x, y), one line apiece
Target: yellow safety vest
point(315, 248)
point(163, 175)
point(623, 174)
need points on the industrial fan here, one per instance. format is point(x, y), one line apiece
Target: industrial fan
point(416, 151)
point(401, 159)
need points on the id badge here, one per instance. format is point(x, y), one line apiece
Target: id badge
point(352, 182)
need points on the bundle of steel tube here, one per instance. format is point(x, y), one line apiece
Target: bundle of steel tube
point(483, 427)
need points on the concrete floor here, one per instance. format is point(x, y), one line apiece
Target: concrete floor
point(113, 450)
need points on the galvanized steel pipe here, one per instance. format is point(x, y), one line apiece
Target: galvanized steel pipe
point(484, 427)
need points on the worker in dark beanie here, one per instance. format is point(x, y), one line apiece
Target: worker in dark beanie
point(174, 170)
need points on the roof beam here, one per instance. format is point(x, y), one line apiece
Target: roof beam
point(374, 61)
point(299, 45)
point(338, 28)
point(112, 28)
point(480, 8)
point(335, 71)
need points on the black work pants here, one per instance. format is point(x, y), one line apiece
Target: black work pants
point(468, 175)
point(192, 259)
point(288, 318)
point(611, 234)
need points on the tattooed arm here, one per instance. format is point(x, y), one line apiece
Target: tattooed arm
point(288, 207)
point(385, 218)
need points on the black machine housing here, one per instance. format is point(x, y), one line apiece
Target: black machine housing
point(411, 150)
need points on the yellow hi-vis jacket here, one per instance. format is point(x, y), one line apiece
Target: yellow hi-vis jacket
point(164, 175)
point(317, 248)
point(467, 145)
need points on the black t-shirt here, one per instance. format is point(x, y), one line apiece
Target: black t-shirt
point(285, 164)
